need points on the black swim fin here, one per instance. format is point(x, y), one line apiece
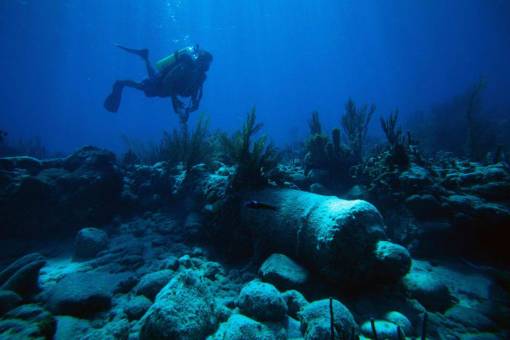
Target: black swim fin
point(112, 102)
point(142, 53)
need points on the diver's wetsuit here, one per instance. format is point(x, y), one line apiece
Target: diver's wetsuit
point(182, 78)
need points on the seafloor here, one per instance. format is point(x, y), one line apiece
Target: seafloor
point(93, 247)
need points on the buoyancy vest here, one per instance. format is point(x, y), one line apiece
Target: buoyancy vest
point(170, 60)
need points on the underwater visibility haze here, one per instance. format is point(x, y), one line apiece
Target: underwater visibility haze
point(283, 169)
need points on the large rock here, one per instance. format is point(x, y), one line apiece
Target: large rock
point(262, 301)
point(136, 307)
point(8, 300)
point(331, 236)
point(295, 302)
point(59, 196)
point(392, 261)
point(69, 327)
point(184, 309)
point(283, 272)
point(476, 207)
point(148, 186)
point(481, 224)
point(491, 182)
point(89, 242)
point(150, 284)
point(415, 179)
point(470, 318)
point(316, 320)
point(240, 327)
point(400, 320)
point(30, 164)
point(432, 293)
point(497, 191)
point(383, 328)
point(22, 276)
point(7, 272)
point(116, 328)
point(83, 294)
point(28, 322)
point(425, 207)
point(482, 336)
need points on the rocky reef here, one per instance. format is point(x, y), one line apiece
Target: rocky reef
point(242, 243)
point(49, 197)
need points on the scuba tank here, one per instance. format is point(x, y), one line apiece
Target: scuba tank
point(172, 58)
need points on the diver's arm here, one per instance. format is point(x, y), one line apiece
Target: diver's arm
point(177, 105)
point(195, 100)
point(182, 112)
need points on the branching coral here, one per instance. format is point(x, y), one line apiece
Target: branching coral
point(326, 154)
point(174, 144)
point(381, 171)
point(130, 158)
point(398, 147)
point(180, 146)
point(316, 156)
point(315, 124)
point(199, 147)
point(389, 126)
point(461, 125)
point(140, 152)
point(355, 124)
point(175, 147)
point(254, 158)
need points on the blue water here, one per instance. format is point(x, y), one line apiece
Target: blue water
point(288, 58)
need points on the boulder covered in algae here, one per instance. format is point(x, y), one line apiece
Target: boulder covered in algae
point(335, 238)
point(43, 198)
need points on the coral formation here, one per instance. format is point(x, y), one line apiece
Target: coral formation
point(189, 148)
point(463, 125)
point(57, 196)
point(355, 124)
point(398, 148)
point(330, 156)
point(216, 236)
point(254, 158)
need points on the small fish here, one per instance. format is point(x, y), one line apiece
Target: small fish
point(259, 205)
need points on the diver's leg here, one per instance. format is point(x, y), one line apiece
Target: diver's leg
point(112, 102)
point(150, 71)
point(142, 53)
point(129, 83)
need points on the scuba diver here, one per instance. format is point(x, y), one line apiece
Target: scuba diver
point(181, 74)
